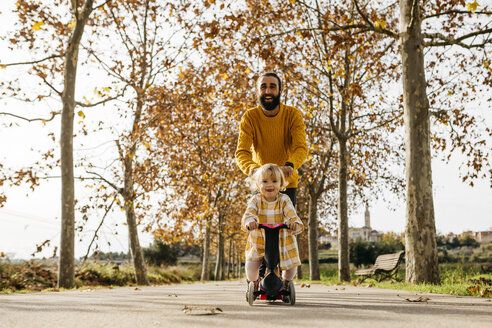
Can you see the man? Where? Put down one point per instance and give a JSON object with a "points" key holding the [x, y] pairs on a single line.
{"points": [[272, 133]]}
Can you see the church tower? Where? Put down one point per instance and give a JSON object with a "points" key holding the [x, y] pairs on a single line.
{"points": [[367, 217]]}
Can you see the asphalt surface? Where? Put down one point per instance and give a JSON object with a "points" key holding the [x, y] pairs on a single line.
{"points": [[317, 306]]}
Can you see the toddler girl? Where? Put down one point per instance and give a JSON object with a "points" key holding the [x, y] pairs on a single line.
{"points": [[271, 207]]}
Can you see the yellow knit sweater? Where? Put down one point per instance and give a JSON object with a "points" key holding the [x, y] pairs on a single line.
{"points": [[278, 139]]}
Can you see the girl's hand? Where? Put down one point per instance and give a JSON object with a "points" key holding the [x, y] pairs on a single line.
{"points": [[292, 225], [253, 225]]}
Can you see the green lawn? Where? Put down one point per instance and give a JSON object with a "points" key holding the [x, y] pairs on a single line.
{"points": [[456, 279]]}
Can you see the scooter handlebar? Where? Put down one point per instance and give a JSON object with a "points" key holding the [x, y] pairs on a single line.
{"points": [[271, 226]]}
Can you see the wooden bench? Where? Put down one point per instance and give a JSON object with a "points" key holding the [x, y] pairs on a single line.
{"points": [[386, 266]]}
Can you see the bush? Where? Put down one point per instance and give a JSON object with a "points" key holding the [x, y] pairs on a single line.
{"points": [[104, 274], [160, 254], [27, 275]]}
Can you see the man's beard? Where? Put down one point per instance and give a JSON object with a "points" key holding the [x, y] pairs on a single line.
{"points": [[269, 106]]}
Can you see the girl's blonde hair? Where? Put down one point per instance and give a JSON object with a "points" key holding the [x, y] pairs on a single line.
{"points": [[264, 172]]}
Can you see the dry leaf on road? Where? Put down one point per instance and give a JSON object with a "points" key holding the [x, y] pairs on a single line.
{"points": [[201, 309], [420, 299]]}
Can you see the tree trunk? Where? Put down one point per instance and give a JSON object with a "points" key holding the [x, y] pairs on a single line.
{"points": [[229, 258], [66, 276], [238, 261], [420, 232], [299, 268], [129, 196], [136, 250], [313, 239], [206, 253], [343, 248], [224, 262], [219, 263]]}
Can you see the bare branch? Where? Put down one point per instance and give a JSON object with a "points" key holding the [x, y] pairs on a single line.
{"points": [[376, 127], [453, 12], [53, 114], [31, 62], [43, 77], [100, 177], [97, 230], [371, 25], [101, 5], [100, 102], [447, 41]]}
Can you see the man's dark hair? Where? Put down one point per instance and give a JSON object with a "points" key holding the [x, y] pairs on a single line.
{"points": [[275, 76]]}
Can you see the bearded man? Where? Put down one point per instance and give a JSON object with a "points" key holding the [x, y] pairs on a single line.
{"points": [[272, 133]]}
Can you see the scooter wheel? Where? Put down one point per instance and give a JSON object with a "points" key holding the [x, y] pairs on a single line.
{"points": [[251, 293], [292, 293]]}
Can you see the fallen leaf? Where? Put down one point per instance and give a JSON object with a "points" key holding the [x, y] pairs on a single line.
{"points": [[173, 295], [474, 289], [342, 288], [136, 288], [420, 299], [199, 309], [87, 290]]}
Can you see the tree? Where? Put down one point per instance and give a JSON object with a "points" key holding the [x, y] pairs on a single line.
{"points": [[33, 16], [155, 39], [197, 146], [420, 235], [66, 266], [421, 247]]}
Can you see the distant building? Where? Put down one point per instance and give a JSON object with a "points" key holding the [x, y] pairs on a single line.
{"points": [[450, 236], [468, 233], [366, 233], [484, 237]]}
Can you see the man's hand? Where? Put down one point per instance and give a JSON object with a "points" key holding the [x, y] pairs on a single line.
{"points": [[253, 225], [287, 170]]}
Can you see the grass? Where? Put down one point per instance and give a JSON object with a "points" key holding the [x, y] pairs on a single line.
{"points": [[456, 279], [34, 276]]}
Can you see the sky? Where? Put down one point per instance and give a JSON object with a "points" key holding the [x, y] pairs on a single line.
{"points": [[29, 218]]}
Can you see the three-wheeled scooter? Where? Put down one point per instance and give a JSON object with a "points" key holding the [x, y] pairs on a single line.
{"points": [[271, 287]]}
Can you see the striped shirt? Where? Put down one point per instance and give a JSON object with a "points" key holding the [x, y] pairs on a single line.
{"points": [[278, 211]]}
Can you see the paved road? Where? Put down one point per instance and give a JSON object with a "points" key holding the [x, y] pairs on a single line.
{"points": [[318, 306]]}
